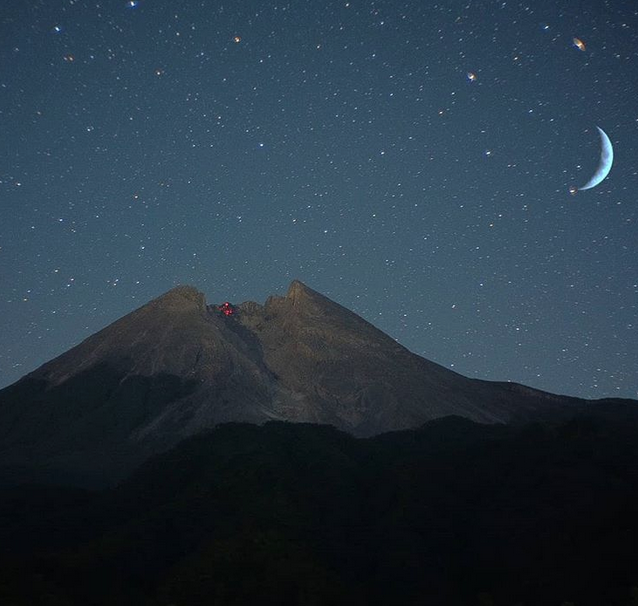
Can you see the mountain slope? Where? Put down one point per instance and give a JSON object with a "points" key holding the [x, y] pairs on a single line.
{"points": [[176, 366]]}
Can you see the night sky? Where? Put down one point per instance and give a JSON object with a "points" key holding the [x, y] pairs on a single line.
{"points": [[411, 160]]}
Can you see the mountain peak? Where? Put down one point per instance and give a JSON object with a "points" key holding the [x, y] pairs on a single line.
{"points": [[296, 285], [298, 291], [182, 296]]}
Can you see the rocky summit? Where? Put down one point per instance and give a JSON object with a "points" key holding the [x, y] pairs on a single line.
{"points": [[177, 366]]}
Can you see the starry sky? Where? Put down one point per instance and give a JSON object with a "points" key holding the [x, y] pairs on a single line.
{"points": [[411, 160]]}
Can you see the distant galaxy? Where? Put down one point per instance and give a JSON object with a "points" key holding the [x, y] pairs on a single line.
{"points": [[579, 44]]}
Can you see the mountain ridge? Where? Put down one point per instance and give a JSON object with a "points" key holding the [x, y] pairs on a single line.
{"points": [[177, 365]]}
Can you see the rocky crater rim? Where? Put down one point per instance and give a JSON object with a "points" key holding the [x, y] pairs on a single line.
{"points": [[296, 293]]}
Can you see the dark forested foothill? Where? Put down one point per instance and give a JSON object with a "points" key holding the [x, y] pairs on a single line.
{"points": [[294, 514]]}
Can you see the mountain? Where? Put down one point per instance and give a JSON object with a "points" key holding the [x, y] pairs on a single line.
{"points": [[177, 366]]}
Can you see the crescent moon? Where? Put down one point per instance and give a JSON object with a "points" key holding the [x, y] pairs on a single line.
{"points": [[606, 160]]}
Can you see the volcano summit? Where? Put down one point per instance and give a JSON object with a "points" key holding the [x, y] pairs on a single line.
{"points": [[177, 366]]}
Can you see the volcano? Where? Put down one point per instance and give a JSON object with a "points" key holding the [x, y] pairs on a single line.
{"points": [[177, 366]]}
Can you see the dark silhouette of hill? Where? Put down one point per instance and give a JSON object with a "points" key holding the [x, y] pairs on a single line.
{"points": [[453, 513], [178, 366]]}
